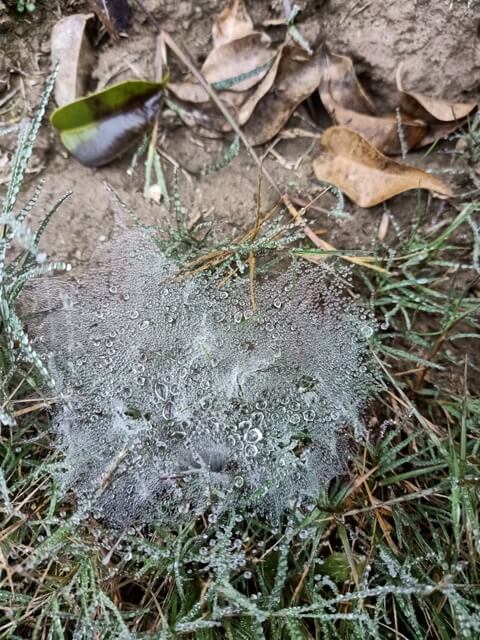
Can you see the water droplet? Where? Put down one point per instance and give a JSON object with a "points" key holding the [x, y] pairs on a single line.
{"points": [[367, 331], [258, 418], [251, 450], [253, 435], [161, 391], [168, 410]]}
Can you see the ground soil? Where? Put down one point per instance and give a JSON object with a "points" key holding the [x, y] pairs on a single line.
{"points": [[437, 40]]}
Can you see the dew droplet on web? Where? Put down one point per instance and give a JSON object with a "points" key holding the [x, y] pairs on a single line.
{"points": [[161, 391], [253, 435]]}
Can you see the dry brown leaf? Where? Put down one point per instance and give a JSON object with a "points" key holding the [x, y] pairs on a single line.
{"points": [[71, 48], [237, 58], [248, 56], [381, 131], [232, 23], [431, 109], [368, 177], [339, 84], [297, 78]]}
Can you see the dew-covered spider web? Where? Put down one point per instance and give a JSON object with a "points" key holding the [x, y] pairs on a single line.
{"points": [[177, 398]]}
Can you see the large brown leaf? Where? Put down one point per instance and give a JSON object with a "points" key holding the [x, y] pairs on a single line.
{"points": [[368, 177], [297, 78], [431, 109], [231, 23]]}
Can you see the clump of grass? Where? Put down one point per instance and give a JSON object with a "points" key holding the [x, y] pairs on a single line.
{"points": [[17, 353], [389, 551]]}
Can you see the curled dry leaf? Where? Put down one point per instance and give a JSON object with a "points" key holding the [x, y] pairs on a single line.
{"points": [[71, 49], [232, 23], [349, 105], [368, 177], [339, 85], [431, 109], [297, 77]]}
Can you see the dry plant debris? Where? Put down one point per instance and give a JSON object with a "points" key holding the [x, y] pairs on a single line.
{"points": [[262, 86]]}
